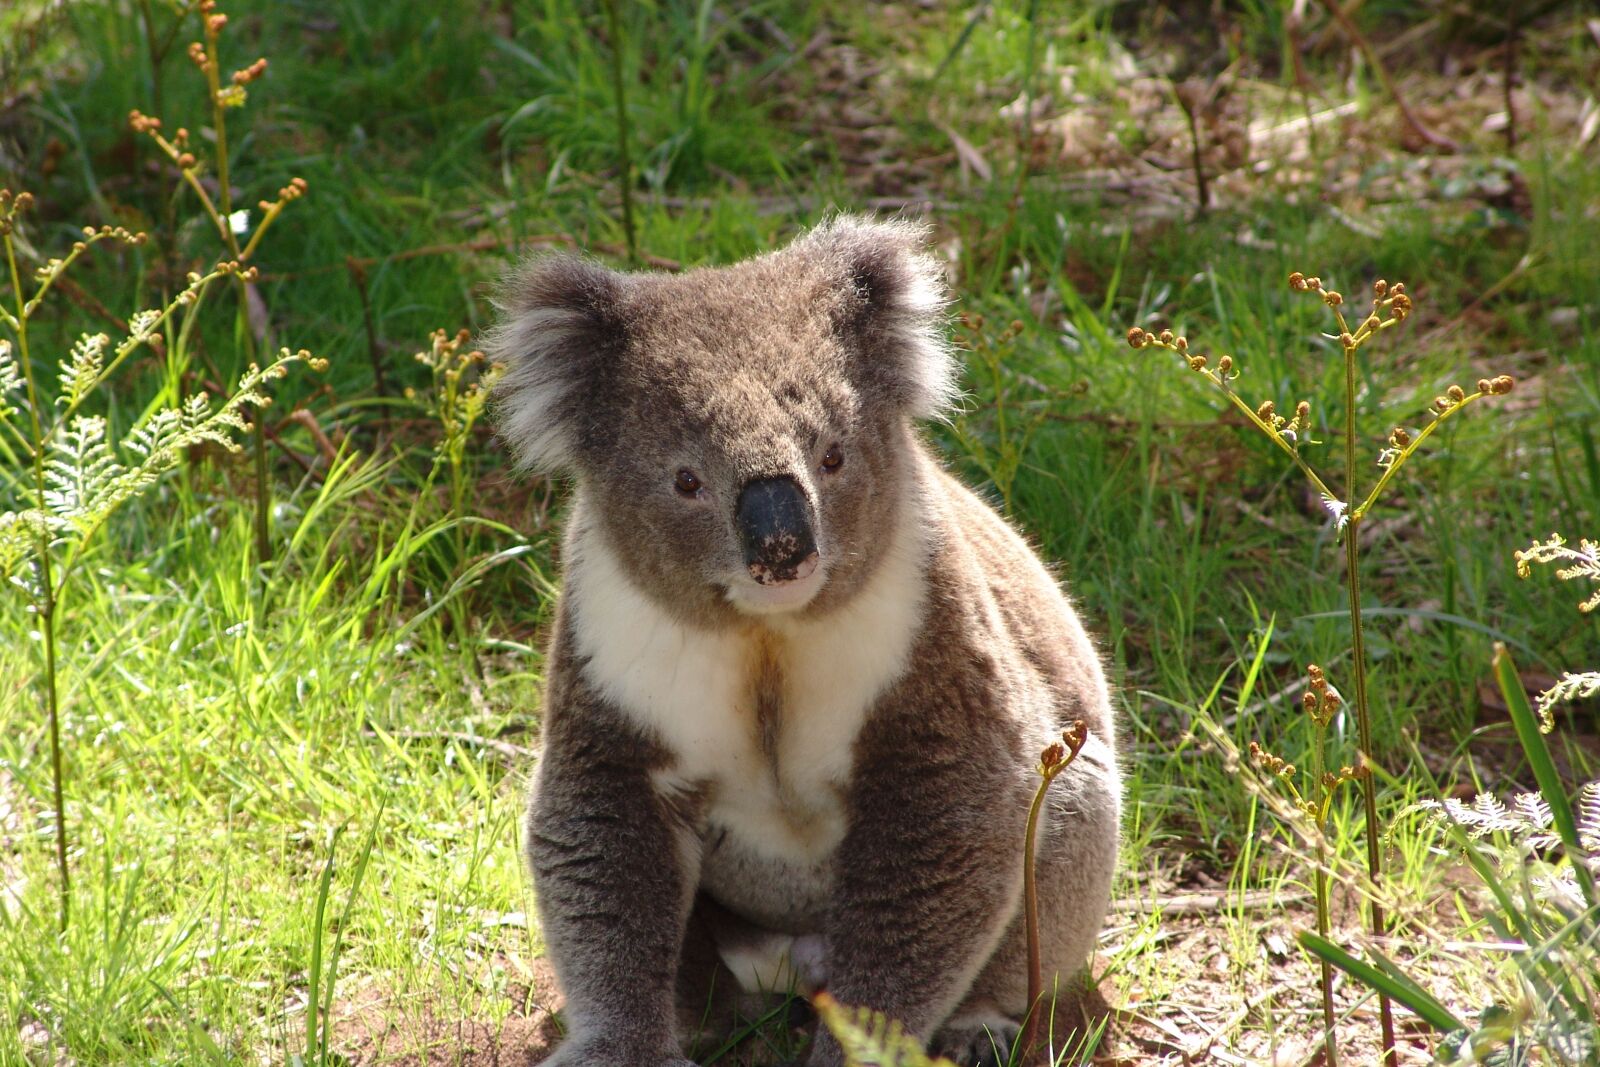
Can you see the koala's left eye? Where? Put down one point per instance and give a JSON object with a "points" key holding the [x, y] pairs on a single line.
{"points": [[833, 459], [687, 482]]}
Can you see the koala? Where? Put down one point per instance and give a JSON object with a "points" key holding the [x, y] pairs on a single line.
{"points": [[799, 675]]}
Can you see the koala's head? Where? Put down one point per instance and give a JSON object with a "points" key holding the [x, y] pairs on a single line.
{"points": [[741, 435]]}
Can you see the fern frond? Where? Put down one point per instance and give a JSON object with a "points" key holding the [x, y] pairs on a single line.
{"points": [[870, 1038], [19, 535], [140, 327], [1582, 562], [82, 371], [85, 481], [1588, 812], [79, 470], [1570, 686], [1526, 824], [10, 374], [161, 440], [11, 380]]}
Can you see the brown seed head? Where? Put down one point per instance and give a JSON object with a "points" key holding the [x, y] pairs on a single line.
{"points": [[250, 73], [1196, 362], [1181, 344], [1399, 438], [1297, 281], [1400, 305], [1332, 298], [1485, 386], [1456, 393], [1166, 337], [197, 53], [1502, 385], [1379, 289], [1225, 364], [1302, 411], [1075, 736], [1137, 337], [1266, 411]]}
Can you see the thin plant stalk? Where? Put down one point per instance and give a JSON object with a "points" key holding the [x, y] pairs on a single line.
{"points": [[258, 434], [624, 156], [1052, 762], [1358, 657], [45, 601], [1319, 765]]}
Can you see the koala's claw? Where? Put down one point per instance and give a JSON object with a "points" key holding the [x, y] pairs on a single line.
{"points": [[985, 1043]]}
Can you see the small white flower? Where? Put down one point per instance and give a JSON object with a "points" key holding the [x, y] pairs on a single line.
{"points": [[1337, 509], [239, 222]]}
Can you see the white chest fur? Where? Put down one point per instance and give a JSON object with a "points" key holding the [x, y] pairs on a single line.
{"points": [[773, 781]]}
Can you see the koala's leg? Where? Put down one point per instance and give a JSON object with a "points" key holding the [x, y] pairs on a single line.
{"points": [[1077, 854], [928, 877], [614, 867]]}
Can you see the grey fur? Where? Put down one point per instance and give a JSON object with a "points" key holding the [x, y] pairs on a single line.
{"points": [[898, 878]]}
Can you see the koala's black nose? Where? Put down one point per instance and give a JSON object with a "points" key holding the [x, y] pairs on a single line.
{"points": [[771, 516]]}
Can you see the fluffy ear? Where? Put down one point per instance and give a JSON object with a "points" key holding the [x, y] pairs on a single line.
{"points": [[893, 307], [560, 320]]}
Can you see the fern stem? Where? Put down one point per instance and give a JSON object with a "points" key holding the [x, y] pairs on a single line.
{"points": [[1358, 656], [1030, 911], [1319, 765], [47, 618], [1052, 762], [46, 602], [258, 433]]}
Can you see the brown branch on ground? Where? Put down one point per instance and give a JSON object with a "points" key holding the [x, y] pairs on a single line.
{"points": [[1193, 96], [1359, 39]]}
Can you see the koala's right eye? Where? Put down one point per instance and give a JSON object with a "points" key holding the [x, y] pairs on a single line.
{"points": [[687, 483]]}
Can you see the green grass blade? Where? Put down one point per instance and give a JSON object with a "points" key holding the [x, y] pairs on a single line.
{"points": [[1394, 986], [1544, 768], [344, 925], [313, 1003]]}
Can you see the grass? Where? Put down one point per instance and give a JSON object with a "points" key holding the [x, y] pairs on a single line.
{"points": [[223, 724]]}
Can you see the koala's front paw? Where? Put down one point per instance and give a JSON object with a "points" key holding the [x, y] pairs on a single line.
{"points": [[977, 1042], [601, 1052]]}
